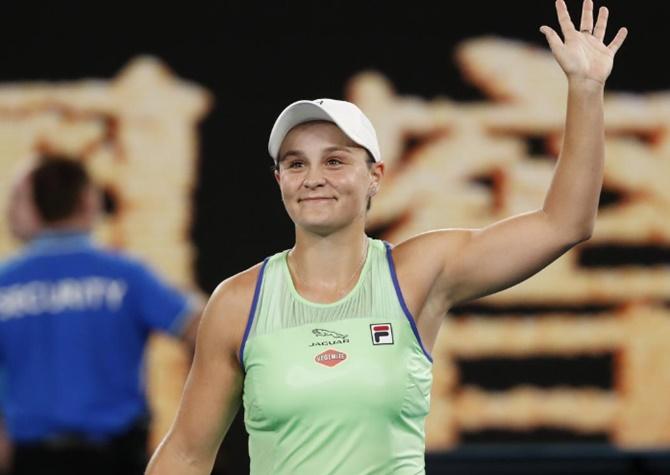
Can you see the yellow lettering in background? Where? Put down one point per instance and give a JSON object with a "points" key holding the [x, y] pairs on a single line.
{"points": [[470, 164]]}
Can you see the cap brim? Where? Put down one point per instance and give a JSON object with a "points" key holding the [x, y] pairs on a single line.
{"points": [[296, 114]]}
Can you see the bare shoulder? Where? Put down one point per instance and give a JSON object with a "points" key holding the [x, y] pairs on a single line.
{"points": [[225, 317]]}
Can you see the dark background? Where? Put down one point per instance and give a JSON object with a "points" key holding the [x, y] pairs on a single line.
{"points": [[256, 58]]}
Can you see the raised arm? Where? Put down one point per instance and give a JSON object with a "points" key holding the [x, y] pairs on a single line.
{"points": [[212, 393], [474, 263], [572, 199]]}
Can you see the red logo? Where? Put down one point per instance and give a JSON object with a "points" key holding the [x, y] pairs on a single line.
{"points": [[330, 358]]}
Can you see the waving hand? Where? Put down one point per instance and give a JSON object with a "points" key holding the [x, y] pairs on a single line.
{"points": [[582, 53]]}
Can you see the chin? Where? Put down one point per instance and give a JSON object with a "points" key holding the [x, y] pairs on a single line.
{"points": [[318, 223], [320, 228], [321, 222], [324, 227]]}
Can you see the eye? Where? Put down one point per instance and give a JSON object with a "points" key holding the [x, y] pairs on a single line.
{"points": [[334, 161], [295, 164]]}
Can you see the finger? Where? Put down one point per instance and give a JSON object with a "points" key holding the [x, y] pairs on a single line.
{"points": [[564, 17], [601, 24], [552, 38], [587, 16], [618, 40]]}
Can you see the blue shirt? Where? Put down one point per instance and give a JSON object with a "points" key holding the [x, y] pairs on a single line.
{"points": [[74, 320]]}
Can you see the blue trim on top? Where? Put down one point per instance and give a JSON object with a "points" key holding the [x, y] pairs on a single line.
{"points": [[252, 312], [401, 299]]}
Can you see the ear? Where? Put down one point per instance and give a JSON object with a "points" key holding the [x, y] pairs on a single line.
{"points": [[92, 202], [277, 177], [376, 175], [22, 217]]}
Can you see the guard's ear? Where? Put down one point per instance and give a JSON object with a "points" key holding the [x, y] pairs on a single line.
{"points": [[92, 202]]}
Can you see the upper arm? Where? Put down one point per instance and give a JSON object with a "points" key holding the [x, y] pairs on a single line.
{"points": [[213, 389], [503, 254], [463, 264]]}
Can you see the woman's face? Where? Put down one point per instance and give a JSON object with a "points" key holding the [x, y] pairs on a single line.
{"points": [[324, 177]]}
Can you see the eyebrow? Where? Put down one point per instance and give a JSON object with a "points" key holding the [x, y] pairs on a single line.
{"points": [[300, 154], [289, 153], [339, 148]]}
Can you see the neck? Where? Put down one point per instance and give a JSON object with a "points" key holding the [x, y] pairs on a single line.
{"points": [[327, 267], [68, 225], [63, 231]]}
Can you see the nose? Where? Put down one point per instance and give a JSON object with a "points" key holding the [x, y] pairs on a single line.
{"points": [[314, 178]]}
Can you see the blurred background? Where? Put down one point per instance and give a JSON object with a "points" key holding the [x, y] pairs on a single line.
{"points": [[171, 109]]}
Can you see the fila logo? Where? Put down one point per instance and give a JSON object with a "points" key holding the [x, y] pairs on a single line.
{"points": [[382, 333], [330, 358]]}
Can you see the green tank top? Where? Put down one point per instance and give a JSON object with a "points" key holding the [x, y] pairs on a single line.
{"points": [[338, 388]]}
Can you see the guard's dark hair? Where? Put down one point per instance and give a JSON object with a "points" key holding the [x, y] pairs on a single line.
{"points": [[58, 185]]}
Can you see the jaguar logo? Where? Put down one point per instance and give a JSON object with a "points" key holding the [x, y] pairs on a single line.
{"points": [[329, 333], [333, 338]]}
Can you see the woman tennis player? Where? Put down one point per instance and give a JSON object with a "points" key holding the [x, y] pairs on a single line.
{"points": [[328, 344]]}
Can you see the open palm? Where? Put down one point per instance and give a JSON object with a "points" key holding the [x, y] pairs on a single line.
{"points": [[582, 53]]}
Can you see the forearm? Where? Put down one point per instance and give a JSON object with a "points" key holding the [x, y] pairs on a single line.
{"points": [[169, 459], [571, 203]]}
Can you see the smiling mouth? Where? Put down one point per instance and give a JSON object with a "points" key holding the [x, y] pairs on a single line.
{"points": [[317, 199]]}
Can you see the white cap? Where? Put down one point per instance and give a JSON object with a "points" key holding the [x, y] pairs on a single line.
{"points": [[347, 116]]}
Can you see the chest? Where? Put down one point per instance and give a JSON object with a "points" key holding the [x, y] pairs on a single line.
{"points": [[361, 366]]}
